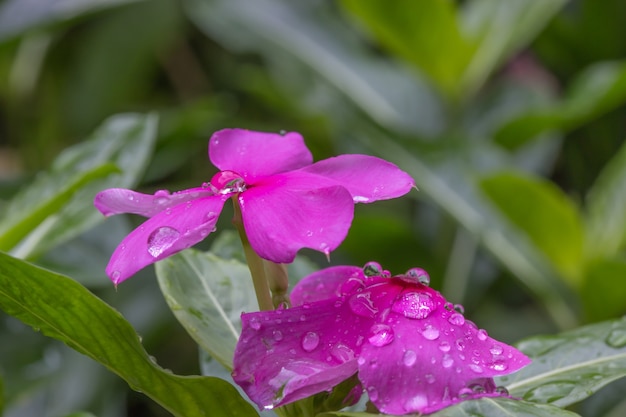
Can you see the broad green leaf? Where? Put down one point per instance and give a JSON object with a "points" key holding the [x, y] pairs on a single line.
{"points": [[208, 294], [570, 366], [127, 140], [606, 208], [546, 215], [64, 310], [424, 33], [29, 209], [80, 414], [487, 407], [497, 30], [604, 289], [596, 90]]}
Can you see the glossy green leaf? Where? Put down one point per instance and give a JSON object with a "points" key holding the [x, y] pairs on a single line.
{"points": [[606, 208], [208, 294], [424, 33], [570, 366], [126, 140], [484, 407], [596, 90], [541, 211], [63, 309], [604, 289]]}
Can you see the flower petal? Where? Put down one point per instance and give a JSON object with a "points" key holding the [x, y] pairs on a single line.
{"points": [[258, 154], [120, 200], [287, 212], [286, 355], [165, 234], [432, 360], [366, 177], [324, 284]]}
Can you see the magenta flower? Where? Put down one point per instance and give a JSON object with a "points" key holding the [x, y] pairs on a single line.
{"points": [[287, 201], [413, 352]]}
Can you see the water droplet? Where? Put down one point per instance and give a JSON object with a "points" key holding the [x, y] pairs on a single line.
{"points": [[278, 335], [616, 338], [382, 335], [161, 239], [342, 353], [414, 305], [482, 334], [465, 393], [496, 350], [418, 275], [362, 305], [477, 388], [310, 341], [373, 269], [460, 344], [501, 390], [227, 182], [373, 393], [447, 361], [444, 346], [430, 333], [498, 366], [457, 319], [415, 403], [476, 368], [430, 378], [255, 323], [409, 358], [360, 199], [282, 132], [459, 308]]}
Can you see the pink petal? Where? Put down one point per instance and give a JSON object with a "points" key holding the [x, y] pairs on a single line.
{"points": [[430, 355], [165, 234], [366, 177], [258, 154], [324, 284], [287, 212], [286, 355], [120, 200]]}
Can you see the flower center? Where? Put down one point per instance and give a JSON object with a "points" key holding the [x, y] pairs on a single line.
{"points": [[227, 182]]}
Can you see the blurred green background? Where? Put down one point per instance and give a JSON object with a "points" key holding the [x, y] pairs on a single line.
{"points": [[510, 116]]}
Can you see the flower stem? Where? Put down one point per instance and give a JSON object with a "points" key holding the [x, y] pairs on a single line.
{"points": [[255, 263], [278, 279]]}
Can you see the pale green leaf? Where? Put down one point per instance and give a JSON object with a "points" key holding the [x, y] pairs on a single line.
{"points": [[208, 294], [484, 407], [544, 214], [604, 289], [571, 366], [63, 309]]}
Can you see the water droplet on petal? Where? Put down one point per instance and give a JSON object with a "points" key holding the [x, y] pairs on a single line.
{"points": [[418, 275], [444, 346], [430, 378], [616, 338], [382, 335], [502, 390], [278, 335], [409, 358], [414, 305], [342, 353], [460, 344], [255, 323], [362, 305], [415, 403], [116, 275], [498, 366], [457, 319], [496, 350], [465, 392], [310, 341], [161, 239], [373, 393], [476, 368], [227, 182], [373, 269], [360, 199], [430, 333], [447, 361], [459, 308], [482, 334]]}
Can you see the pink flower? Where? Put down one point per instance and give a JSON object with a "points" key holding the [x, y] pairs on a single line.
{"points": [[287, 201], [413, 352]]}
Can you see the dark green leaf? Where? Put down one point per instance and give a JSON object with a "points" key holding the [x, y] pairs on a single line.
{"points": [[597, 90], [606, 208], [570, 366], [64, 310], [208, 294], [604, 289], [485, 407], [546, 215]]}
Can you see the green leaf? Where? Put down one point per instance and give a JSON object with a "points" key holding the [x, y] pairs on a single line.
{"points": [[606, 208], [30, 209], [1, 396], [570, 366], [60, 210], [546, 215], [604, 289], [208, 294], [598, 89], [424, 33], [80, 414], [64, 310], [491, 407]]}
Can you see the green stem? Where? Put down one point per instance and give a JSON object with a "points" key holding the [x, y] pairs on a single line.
{"points": [[278, 279], [255, 263]]}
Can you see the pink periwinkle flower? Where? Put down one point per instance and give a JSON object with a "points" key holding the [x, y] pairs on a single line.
{"points": [[413, 351], [287, 201]]}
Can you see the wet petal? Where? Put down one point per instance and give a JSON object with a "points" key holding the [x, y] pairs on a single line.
{"points": [[164, 234], [258, 154], [432, 361], [286, 355], [120, 200], [284, 213], [325, 284], [366, 177]]}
